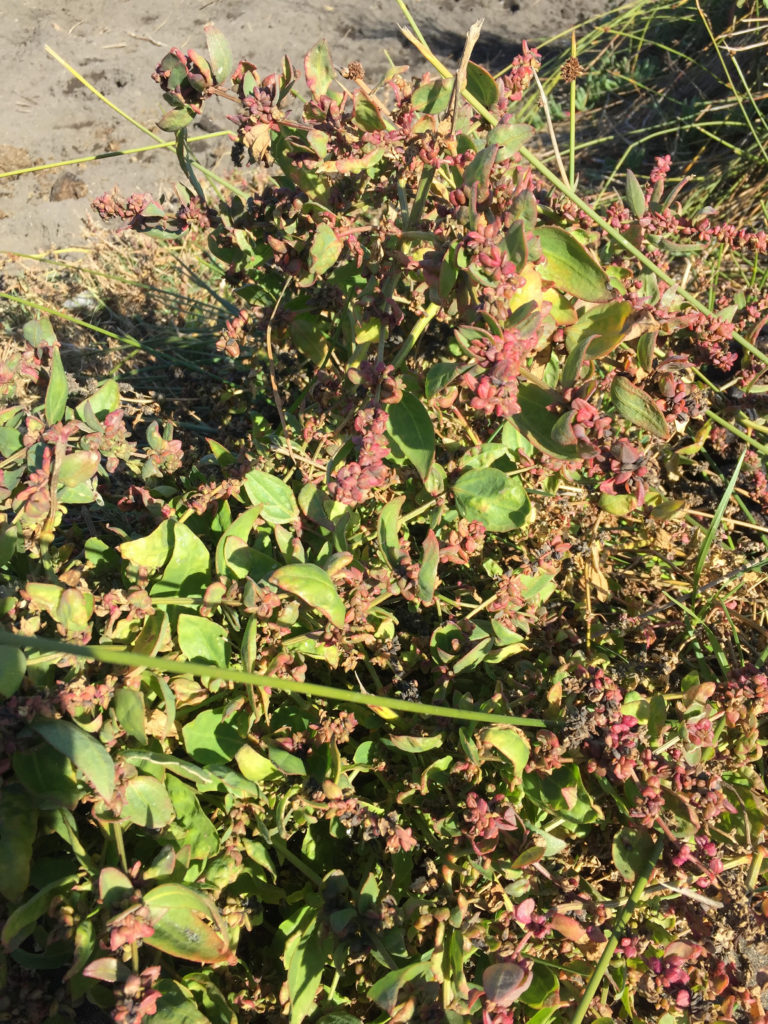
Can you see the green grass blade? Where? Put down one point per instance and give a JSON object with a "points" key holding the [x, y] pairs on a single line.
{"points": [[115, 656], [714, 526]]}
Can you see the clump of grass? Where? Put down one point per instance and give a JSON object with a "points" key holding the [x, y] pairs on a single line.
{"points": [[684, 77]]}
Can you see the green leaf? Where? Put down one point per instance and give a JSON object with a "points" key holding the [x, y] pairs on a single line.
{"points": [[254, 766], [77, 467], [574, 363], [178, 915], [202, 640], [84, 751], [448, 276], [129, 708], [604, 326], [272, 496], [13, 666], [39, 332], [305, 956], [314, 586], [510, 742], [18, 828], [413, 744], [492, 498], [544, 985], [384, 992], [536, 421], [219, 52], [339, 1018], [635, 195], [152, 551], [48, 777], [510, 137], [440, 376], [516, 244], [479, 171], [95, 407], [209, 739], [638, 408], [388, 531], [56, 393], [482, 85], [74, 610], [21, 920], [325, 250], [631, 851], [187, 572], [367, 115], [568, 265], [176, 120], [146, 803], [176, 1005], [240, 528], [411, 433], [430, 560], [114, 886], [434, 97], [318, 69], [618, 504], [192, 826], [287, 763]]}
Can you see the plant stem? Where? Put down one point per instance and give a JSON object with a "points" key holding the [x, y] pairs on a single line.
{"points": [[621, 920], [115, 656], [572, 122], [415, 333]]}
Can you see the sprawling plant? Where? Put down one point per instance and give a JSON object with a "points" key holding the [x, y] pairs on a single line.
{"points": [[382, 712]]}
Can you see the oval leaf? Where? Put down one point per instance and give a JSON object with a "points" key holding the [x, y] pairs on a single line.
{"points": [[631, 851], [219, 52], [318, 68], [537, 421], [604, 326], [314, 586], [482, 85], [570, 267], [325, 250], [180, 928], [430, 559], [492, 498], [84, 751], [146, 803], [638, 408], [411, 433], [202, 640], [510, 742], [272, 495], [56, 393], [504, 983], [13, 665]]}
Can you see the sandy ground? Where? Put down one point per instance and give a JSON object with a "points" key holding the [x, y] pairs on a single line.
{"points": [[50, 116]]}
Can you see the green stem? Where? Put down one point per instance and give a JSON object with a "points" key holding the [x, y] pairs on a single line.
{"points": [[415, 333], [754, 869], [763, 449], [106, 156], [115, 656], [613, 941], [572, 122], [282, 848]]}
